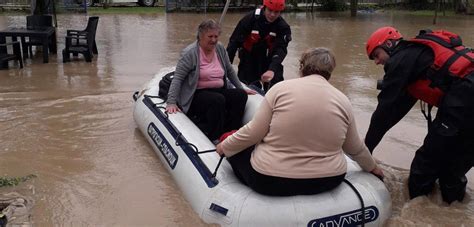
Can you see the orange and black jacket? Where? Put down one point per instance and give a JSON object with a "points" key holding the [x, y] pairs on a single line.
{"points": [[408, 63], [272, 48]]}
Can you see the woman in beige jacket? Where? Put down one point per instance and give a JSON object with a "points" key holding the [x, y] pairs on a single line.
{"points": [[301, 132]]}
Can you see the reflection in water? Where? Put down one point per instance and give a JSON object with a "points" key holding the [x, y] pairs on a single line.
{"points": [[71, 124]]}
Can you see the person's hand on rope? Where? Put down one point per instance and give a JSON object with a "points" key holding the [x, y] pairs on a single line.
{"points": [[250, 92], [219, 150], [172, 108], [377, 171], [267, 76]]}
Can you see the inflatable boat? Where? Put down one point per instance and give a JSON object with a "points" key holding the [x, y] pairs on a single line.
{"points": [[218, 197]]}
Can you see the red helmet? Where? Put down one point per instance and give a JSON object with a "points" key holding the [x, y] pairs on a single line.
{"points": [[274, 5], [380, 37]]}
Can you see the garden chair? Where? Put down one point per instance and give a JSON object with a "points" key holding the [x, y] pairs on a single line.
{"points": [[5, 57], [82, 41], [35, 22]]}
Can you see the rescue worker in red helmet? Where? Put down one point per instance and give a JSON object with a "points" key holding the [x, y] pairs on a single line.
{"points": [[261, 39], [448, 148]]}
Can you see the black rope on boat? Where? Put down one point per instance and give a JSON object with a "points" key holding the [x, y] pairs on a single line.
{"points": [[199, 152], [360, 199], [153, 96], [206, 151], [217, 167], [157, 97], [163, 108], [184, 143], [135, 96], [192, 145]]}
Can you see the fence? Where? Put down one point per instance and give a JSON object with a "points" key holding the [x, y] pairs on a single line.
{"points": [[15, 4], [65, 5], [25, 5], [212, 5]]}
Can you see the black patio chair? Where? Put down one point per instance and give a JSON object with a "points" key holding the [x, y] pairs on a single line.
{"points": [[5, 57], [35, 22], [82, 41]]}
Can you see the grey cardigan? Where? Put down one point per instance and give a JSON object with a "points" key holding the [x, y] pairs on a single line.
{"points": [[187, 74]]}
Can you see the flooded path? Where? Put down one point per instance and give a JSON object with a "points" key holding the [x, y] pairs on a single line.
{"points": [[71, 124]]}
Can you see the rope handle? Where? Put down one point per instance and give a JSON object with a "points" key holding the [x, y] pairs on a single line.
{"points": [[360, 199], [196, 150]]}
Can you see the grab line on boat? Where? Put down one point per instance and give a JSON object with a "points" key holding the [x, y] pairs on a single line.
{"points": [[360, 199], [190, 151], [185, 142], [199, 152]]}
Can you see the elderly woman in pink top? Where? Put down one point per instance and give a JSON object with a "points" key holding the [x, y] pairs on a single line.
{"points": [[301, 130], [199, 87]]}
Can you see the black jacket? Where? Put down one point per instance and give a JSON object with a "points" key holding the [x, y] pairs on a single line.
{"points": [[407, 63], [258, 22]]}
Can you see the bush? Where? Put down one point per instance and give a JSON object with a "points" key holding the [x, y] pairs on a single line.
{"points": [[14, 181], [368, 7], [333, 5]]}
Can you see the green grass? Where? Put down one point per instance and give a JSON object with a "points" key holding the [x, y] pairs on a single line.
{"points": [[448, 12], [14, 181], [125, 10]]}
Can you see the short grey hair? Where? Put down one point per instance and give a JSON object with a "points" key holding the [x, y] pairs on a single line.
{"points": [[318, 60], [206, 25]]}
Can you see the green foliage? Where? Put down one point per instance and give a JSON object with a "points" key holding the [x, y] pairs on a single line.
{"points": [[125, 10], [294, 3], [333, 5], [430, 13], [419, 4], [14, 181], [368, 6]]}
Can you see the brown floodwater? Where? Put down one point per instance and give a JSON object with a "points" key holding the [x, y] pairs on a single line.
{"points": [[71, 124]]}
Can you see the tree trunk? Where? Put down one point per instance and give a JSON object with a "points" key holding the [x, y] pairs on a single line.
{"points": [[443, 5], [437, 3], [105, 4], [468, 6], [460, 6], [42, 7], [354, 8], [38, 7]]}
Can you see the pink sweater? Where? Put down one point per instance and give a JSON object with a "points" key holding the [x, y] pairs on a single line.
{"points": [[302, 129], [211, 72]]}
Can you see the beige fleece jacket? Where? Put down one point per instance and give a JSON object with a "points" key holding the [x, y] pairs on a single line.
{"points": [[301, 130]]}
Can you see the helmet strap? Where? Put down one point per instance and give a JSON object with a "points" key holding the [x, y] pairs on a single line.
{"points": [[389, 45]]}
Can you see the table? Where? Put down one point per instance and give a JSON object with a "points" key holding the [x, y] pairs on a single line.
{"points": [[47, 35]]}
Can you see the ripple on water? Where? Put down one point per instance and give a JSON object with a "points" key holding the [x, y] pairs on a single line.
{"points": [[424, 210]]}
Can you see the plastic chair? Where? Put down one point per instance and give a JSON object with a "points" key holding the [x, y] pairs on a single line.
{"points": [[82, 41], [35, 22], [5, 57]]}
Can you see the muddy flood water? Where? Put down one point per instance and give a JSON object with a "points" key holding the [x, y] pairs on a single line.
{"points": [[71, 124]]}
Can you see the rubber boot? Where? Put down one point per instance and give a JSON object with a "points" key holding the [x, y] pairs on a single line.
{"points": [[452, 191], [419, 186], [3, 221]]}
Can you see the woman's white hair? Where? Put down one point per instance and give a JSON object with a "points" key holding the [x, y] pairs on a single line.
{"points": [[319, 60], [206, 25]]}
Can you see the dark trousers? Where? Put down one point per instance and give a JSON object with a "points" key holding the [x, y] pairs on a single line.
{"points": [[278, 186], [218, 110], [447, 153], [252, 67]]}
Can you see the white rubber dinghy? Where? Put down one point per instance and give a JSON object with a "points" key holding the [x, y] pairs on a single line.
{"points": [[223, 200]]}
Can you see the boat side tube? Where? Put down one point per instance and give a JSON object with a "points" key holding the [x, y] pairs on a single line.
{"points": [[190, 150]]}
